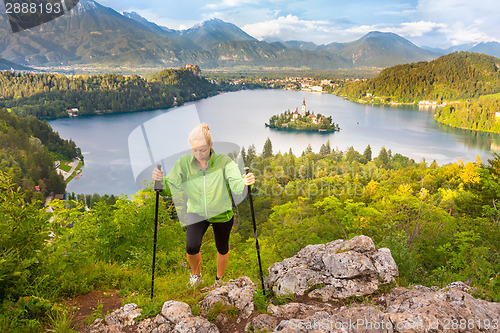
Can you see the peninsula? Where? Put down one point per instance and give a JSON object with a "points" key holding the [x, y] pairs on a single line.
{"points": [[302, 121]]}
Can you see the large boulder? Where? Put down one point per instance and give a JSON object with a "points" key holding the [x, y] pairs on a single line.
{"points": [[339, 269], [237, 293]]}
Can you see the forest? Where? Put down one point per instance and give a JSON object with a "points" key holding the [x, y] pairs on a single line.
{"points": [[467, 83], [28, 149], [456, 76], [441, 223], [50, 95], [477, 114]]}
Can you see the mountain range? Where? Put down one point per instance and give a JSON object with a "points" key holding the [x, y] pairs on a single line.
{"points": [[98, 36]]}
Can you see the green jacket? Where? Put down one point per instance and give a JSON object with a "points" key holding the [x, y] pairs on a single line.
{"points": [[206, 191]]}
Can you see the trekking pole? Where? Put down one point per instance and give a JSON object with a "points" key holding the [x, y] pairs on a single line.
{"points": [[158, 187], [255, 233]]}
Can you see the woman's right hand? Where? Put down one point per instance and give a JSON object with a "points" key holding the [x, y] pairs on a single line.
{"points": [[157, 175]]}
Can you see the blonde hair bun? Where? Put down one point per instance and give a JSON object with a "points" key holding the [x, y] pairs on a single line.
{"points": [[201, 132]]}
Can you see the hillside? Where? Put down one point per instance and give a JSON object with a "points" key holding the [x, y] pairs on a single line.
{"points": [[455, 76], [464, 86], [380, 49], [50, 95], [28, 150], [6, 65]]}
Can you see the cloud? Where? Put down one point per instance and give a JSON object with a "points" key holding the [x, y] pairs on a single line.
{"points": [[467, 21], [287, 27], [227, 4], [420, 28]]}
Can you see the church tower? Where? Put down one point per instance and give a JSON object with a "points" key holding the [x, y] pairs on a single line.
{"points": [[303, 113]]}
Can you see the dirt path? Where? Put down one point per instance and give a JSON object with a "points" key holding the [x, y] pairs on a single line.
{"points": [[86, 304]]}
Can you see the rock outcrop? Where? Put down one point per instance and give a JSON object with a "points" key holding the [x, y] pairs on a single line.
{"points": [[336, 270], [325, 277], [402, 310]]}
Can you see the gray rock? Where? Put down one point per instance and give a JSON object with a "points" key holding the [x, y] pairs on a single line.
{"points": [[347, 265], [339, 289], [174, 311], [385, 265], [437, 311], [460, 286], [342, 268], [195, 325], [410, 311], [238, 293], [261, 323], [298, 281], [116, 320], [359, 244], [146, 326], [295, 310], [159, 319], [164, 328]]}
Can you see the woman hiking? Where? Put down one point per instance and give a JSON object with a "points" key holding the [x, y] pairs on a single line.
{"points": [[204, 175]]}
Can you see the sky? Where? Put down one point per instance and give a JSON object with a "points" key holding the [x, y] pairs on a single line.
{"points": [[433, 23]]}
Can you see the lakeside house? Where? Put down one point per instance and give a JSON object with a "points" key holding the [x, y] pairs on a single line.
{"points": [[73, 112]]}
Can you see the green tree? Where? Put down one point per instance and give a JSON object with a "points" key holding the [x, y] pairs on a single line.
{"points": [[383, 158], [24, 232], [325, 149], [268, 149], [367, 154]]}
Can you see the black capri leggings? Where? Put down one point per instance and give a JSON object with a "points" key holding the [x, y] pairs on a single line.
{"points": [[195, 232]]}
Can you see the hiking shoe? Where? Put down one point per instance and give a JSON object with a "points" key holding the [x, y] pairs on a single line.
{"points": [[194, 280], [218, 281]]}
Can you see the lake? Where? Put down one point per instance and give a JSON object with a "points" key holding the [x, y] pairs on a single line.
{"points": [[239, 118]]}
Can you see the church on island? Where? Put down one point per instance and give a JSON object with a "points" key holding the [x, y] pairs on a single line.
{"points": [[303, 120]]}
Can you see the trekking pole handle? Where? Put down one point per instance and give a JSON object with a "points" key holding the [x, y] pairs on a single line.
{"points": [[158, 183], [247, 170]]}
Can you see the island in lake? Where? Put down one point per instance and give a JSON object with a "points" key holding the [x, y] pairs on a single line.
{"points": [[302, 121]]}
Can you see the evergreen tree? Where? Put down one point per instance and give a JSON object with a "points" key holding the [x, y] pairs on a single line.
{"points": [[243, 155], [268, 149], [308, 150], [367, 154], [325, 149], [251, 154], [383, 157]]}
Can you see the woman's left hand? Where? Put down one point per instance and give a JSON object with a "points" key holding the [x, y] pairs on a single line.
{"points": [[249, 179]]}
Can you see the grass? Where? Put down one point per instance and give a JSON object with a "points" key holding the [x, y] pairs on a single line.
{"points": [[262, 301], [491, 96], [65, 167], [218, 308], [75, 172], [60, 321]]}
